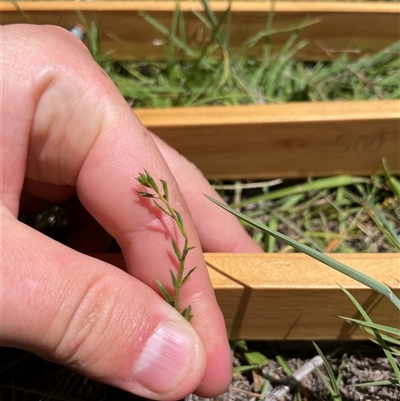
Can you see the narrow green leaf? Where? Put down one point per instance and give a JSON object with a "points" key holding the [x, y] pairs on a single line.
{"points": [[215, 23], [256, 358], [388, 339], [176, 250], [247, 368], [269, 240], [165, 293], [326, 382], [315, 185], [151, 181], [377, 383], [179, 217], [387, 329], [186, 313], [377, 335], [392, 181], [165, 189], [182, 28], [285, 366], [341, 370], [174, 25], [145, 194], [267, 32], [179, 222], [332, 385], [173, 278], [188, 275], [23, 13]]}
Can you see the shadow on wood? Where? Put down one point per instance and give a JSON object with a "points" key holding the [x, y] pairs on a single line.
{"points": [[294, 297]]}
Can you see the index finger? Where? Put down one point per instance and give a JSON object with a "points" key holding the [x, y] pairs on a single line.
{"points": [[83, 133]]}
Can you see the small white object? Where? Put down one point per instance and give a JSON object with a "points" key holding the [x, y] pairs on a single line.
{"points": [[78, 31], [157, 42]]}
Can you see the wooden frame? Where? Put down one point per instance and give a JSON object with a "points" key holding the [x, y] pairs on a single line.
{"points": [[334, 27], [294, 297], [271, 296], [288, 140]]}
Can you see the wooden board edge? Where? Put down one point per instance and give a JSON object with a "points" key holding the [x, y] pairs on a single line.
{"points": [[293, 297], [219, 6], [288, 141], [292, 112], [329, 28]]}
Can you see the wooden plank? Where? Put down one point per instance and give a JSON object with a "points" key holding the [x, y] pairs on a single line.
{"points": [[293, 297], [337, 27], [286, 140]]}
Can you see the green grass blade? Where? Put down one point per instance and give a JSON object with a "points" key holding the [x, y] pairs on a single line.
{"points": [[174, 30], [166, 32], [22, 12], [393, 182], [377, 335], [247, 368], [342, 268], [299, 231], [387, 329], [283, 363], [316, 185], [332, 384], [222, 39], [271, 241], [377, 383], [388, 339]]}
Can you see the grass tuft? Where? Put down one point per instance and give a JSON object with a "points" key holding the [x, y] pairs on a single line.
{"points": [[209, 72]]}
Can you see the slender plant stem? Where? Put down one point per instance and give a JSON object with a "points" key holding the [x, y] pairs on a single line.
{"points": [[181, 253]]}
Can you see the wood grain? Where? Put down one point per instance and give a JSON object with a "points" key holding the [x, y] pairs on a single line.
{"points": [[293, 297], [337, 27], [288, 140]]}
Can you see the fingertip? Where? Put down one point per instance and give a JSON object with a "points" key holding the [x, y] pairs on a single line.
{"points": [[218, 376], [172, 362]]}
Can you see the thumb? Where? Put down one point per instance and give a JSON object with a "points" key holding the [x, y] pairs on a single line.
{"points": [[94, 318]]}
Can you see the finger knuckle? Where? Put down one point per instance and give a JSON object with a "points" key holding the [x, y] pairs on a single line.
{"points": [[97, 321]]}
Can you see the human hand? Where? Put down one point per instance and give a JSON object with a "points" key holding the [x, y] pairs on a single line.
{"points": [[66, 131]]}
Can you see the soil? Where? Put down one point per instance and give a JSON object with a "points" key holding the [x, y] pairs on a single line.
{"points": [[358, 362], [30, 378]]}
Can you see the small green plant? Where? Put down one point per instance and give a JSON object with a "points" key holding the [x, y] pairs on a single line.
{"points": [[161, 200]]}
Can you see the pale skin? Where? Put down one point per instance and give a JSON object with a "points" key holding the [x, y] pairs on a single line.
{"points": [[68, 135]]}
